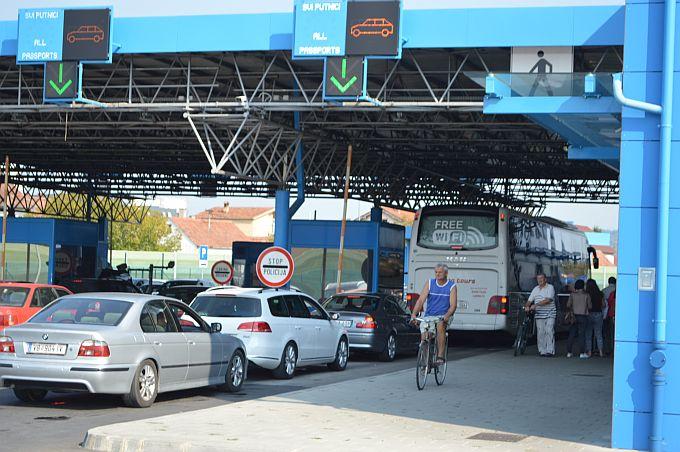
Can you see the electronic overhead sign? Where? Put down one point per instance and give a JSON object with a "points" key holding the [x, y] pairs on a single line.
{"points": [[346, 28], [344, 77], [319, 28], [57, 34], [61, 81], [372, 29]]}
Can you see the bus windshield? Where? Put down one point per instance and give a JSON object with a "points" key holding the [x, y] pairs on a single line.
{"points": [[458, 231]]}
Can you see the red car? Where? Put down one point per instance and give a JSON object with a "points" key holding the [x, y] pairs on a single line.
{"points": [[19, 301]]}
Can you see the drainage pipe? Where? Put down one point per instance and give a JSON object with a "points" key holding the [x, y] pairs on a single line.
{"points": [[636, 104], [658, 356]]}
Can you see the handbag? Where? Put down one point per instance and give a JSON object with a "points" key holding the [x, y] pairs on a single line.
{"points": [[569, 318]]}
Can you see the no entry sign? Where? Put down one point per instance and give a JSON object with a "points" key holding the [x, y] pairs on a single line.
{"points": [[222, 272], [275, 267]]}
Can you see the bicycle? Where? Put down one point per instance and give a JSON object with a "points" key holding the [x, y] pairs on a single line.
{"points": [[427, 353], [524, 332]]}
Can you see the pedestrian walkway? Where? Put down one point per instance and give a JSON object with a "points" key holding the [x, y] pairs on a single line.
{"points": [[488, 402]]}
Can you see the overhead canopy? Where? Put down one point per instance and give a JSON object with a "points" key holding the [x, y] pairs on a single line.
{"points": [[223, 124]]}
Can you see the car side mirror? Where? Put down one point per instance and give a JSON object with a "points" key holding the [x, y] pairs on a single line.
{"points": [[596, 263], [335, 316], [215, 327]]}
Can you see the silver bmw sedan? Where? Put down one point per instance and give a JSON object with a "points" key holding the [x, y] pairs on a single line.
{"points": [[118, 343]]}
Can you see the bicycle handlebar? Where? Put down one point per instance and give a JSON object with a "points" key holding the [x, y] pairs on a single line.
{"points": [[431, 318]]}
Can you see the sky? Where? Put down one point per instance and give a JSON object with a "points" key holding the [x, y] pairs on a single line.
{"points": [[605, 216]]}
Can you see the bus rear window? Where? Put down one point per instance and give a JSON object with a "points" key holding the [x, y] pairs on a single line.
{"points": [[458, 231]]}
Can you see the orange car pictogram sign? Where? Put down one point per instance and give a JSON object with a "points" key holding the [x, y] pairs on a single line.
{"points": [[373, 26], [86, 33]]}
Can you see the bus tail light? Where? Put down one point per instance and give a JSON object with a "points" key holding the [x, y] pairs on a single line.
{"points": [[497, 305]]}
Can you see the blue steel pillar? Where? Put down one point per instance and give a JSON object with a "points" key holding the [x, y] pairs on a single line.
{"points": [[376, 217], [281, 218], [376, 214], [647, 353]]}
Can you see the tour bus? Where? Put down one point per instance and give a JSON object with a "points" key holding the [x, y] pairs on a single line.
{"points": [[493, 255]]}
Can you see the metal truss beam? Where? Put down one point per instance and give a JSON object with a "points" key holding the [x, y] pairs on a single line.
{"points": [[221, 124]]}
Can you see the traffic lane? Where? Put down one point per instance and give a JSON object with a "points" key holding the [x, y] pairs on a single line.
{"points": [[60, 422]]}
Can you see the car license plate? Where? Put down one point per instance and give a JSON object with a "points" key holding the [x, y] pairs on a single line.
{"points": [[47, 349], [346, 323]]}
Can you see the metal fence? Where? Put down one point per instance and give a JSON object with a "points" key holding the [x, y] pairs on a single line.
{"points": [[186, 264]]}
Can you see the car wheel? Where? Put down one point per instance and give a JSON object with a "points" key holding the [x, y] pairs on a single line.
{"points": [[144, 386], [390, 351], [385, 32], [341, 356], [71, 39], [30, 395], [286, 368], [236, 372], [356, 33]]}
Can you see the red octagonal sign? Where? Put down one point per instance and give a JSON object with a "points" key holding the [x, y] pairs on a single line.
{"points": [[275, 267]]}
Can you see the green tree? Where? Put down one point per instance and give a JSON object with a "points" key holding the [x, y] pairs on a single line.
{"points": [[152, 234]]}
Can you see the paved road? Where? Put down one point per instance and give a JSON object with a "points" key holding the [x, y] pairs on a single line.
{"points": [[60, 422]]}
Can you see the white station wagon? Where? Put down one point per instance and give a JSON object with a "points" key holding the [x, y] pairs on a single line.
{"points": [[281, 329]]}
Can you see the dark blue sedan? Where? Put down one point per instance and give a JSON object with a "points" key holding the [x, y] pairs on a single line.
{"points": [[375, 323]]}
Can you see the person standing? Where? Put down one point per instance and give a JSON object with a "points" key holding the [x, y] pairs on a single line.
{"points": [[605, 293], [609, 322], [594, 318], [610, 288], [542, 302], [579, 303]]}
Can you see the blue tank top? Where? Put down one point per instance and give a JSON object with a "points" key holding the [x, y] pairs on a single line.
{"points": [[439, 298]]}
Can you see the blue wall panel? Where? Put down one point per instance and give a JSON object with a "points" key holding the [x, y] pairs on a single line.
{"points": [[639, 164], [30, 230], [634, 311], [76, 233], [632, 374], [644, 19], [673, 311], [674, 244], [675, 181], [326, 234], [637, 239], [631, 391]]}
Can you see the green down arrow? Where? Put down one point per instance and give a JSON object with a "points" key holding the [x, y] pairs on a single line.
{"points": [[342, 88], [65, 86]]}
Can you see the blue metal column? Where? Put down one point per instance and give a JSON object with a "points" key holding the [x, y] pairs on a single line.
{"points": [[281, 218], [376, 214], [299, 172], [376, 217], [646, 387]]}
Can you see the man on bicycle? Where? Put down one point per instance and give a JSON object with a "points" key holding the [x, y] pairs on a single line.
{"points": [[441, 295]]}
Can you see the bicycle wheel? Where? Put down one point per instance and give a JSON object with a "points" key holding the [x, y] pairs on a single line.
{"points": [[525, 339], [519, 339], [422, 365], [440, 370]]}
